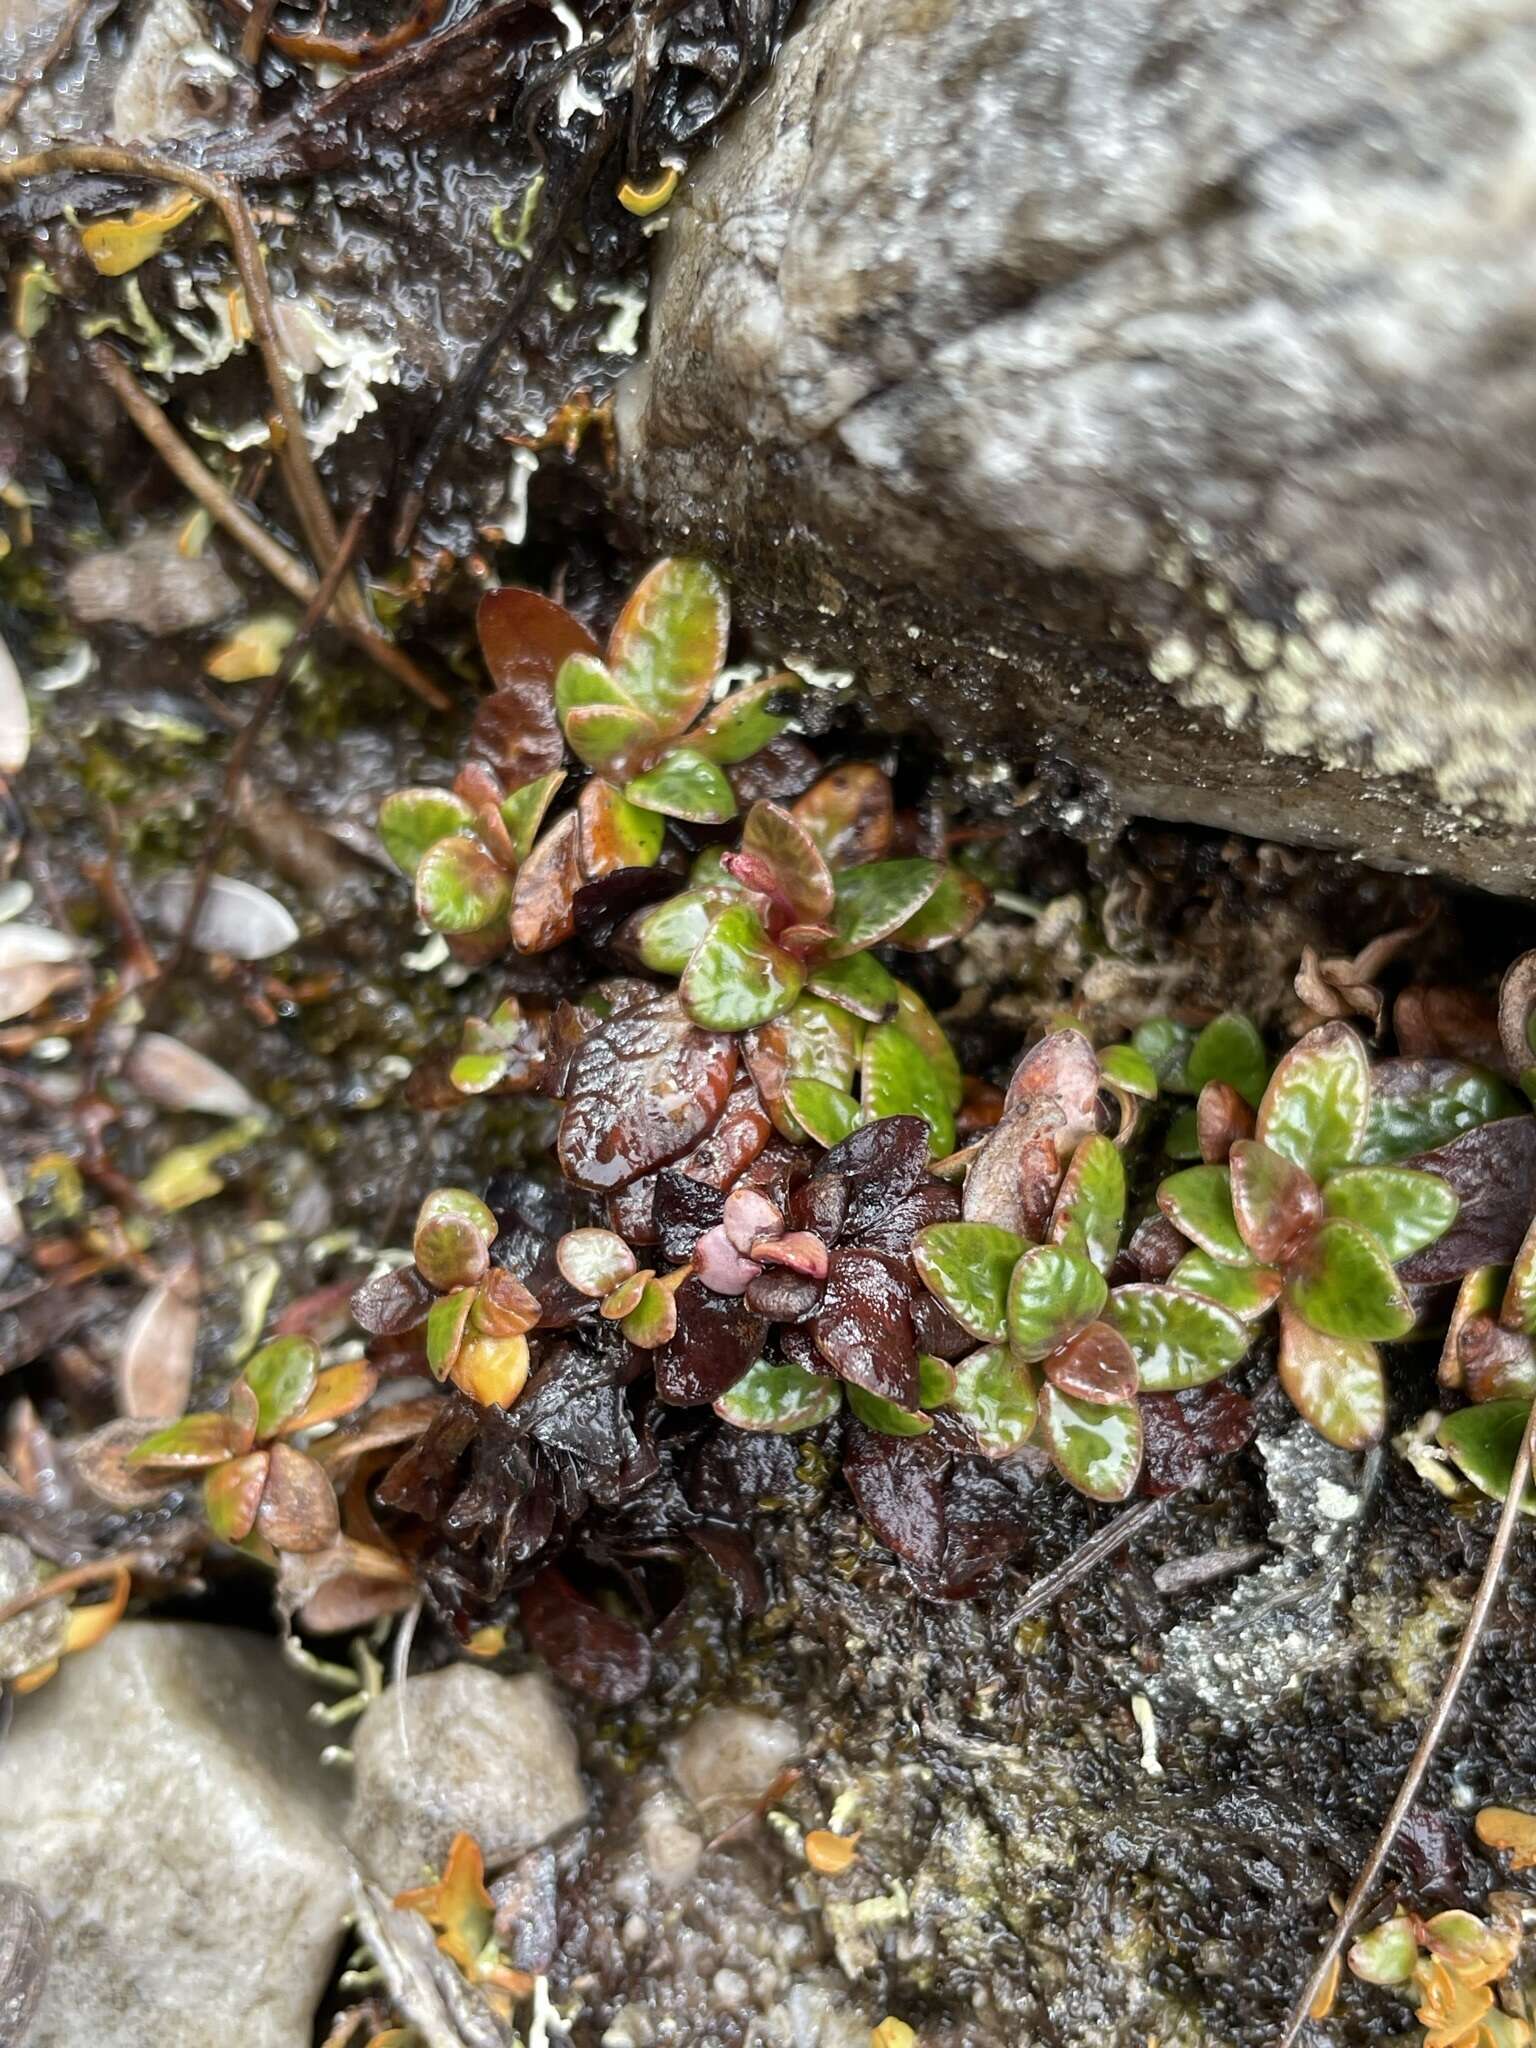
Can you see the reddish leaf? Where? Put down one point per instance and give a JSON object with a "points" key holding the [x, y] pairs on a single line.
{"points": [[1181, 1433], [736, 1140], [1277, 1206], [1064, 1068], [783, 1297], [643, 1089], [864, 1327], [588, 1649], [1155, 1248], [298, 1505], [544, 894], [1096, 1365], [1015, 1176], [849, 814], [392, 1302], [525, 637], [1496, 1364], [899, 1485], [1222, 1117], [879, 1164], [1493, 1169], [716, 1340], [1431, 1022]]}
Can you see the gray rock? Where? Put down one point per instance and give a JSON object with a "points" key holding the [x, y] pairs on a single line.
{"points": [[37, 1636], [164, 1800], [729, 1757], [460, 1749], [1147, 389]]}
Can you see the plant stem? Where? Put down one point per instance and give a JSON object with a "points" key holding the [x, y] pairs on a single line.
{"points": [[1101, 1544], [1429, 1741]]}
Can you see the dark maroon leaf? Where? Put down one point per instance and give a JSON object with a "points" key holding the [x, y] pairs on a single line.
{"points": [[731, 1552], [683, 1210], [1222, 1117], [784, 1297], [632, 1211], [717, 1338], [1493, 1169], [931, 1201], [737, 1139], [899, 1485], [735, 1470], [986, 1522], [516, 735], [864, 1327], [601, 907], [392, 1302], [1182, 1433], [820, 1204], [643, 1089], [935, 1328], [880, 1163], [1155, 1248], [424, 1480], [777, 772], [592, 1651]]}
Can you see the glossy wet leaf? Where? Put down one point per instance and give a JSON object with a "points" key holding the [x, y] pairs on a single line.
{"points": [[1405, 1210], [504, 1307], [1179, 1340], [1230, 1049], [1222, 1120], [858, 984], [447, 1324], [602, 731], [525, 637], [877, 1413], [1387, 1954], [779, 1398], [826, 1114], [1517, 1013], [594, 1261], [596, 1653], [717, 1340], [1090, 1208], [1166, 1046], [685, 784], [1493, 1170], [967, 1267], [339, 1390], [1421, 1103], [653, 1319], [1519, 1309], [1097, 1366], [822, 1042], [1246, 1292], [1051, 1294], [1343, 1284], [994, 1394], [1336, 1383], [1276, 1204], [955, 905], [1315, 1107], [491, 1370], [544, 895], [522, 813], [298, 1505], [668, 644], [1478, 1294], [450, 1251], [116, 247], [459, 887], [915, 1019], [935, 1381], [282, 1377], [800, 875], [737, 977], [863, 1328], [872, 901], [1199, 1202], [642, 1090], [1095, 1448], [665, 937], [848, 812], [1485, 1443], [1131, 1070], [391, 1303], [411, 820], [897, 1079], [1182, 1138], [748, 720], [1494, 1364], [232, 1494]]}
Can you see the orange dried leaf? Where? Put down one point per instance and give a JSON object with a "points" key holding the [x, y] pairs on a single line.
{"points": [[1507, 1828], [829, 1855]]}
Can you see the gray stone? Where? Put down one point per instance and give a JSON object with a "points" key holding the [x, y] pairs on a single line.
{"points": [[151, 584], [36, 1637], [460, 1749], [1151, 390], [164, 1800], [729, 1757]]}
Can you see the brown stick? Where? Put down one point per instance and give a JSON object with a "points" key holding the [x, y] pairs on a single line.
{"points": [[253, 37], [281, 566], [72, 1580], [1429, 1741], [34, 74]]}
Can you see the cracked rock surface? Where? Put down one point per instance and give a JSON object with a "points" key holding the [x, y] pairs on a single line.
{"points": [[1150, 387]]}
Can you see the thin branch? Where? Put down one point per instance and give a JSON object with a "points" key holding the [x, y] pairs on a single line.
{"points": [[33, 74], [1088, 1557], [72, 1580], [254, 36], [272, 556], [1429, 1741], [240, 752]]}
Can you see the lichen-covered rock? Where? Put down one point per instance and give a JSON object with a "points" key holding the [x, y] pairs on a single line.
{"points": [[460, 1749], [164, 1800], [1150, 392]]}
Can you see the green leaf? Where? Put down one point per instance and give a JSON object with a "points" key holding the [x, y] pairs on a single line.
{"points": [[1342, 1283], [1246, 1292], [1179, 1340], [446, 1323], [282, 1377], [1419, 1104], [779, 1398], [1130, 1070], [935, 1381], [1198, 1201], [1485, 1443], [873, 900], [742, 724], [859, 984], [476, 1073], [1519, 1310], [582, 682], [613, 833], [411, 820], [1314, 1110], [967, 1267], [652, 1321], [523, 811], [1095, 1446], [994, 1394], [1090, 1207], [1336, 1383], [450, 1242], [232, 1494], [1165, 1046], [669, 642], [1052, 1293], [822, 1043], [459, 887], [737, 977], [1277, 1206], [875, 1412], [955, 905], [1388, 1954], [684, 785], [802, 877], [1405, 1209], [1230, 1049], [601, 735], [898, 1079], [917, 1021], [1183, 1136], [191, 1444], [827, 1114], [665, 937]]}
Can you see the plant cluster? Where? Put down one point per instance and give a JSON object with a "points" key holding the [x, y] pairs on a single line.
{"points": [[1449, 1964]]}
